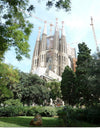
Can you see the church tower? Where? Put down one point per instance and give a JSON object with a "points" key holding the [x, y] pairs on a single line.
{"points": [[63, 57], [56, 49], [35, 59], [43, 45], [51, 53]]}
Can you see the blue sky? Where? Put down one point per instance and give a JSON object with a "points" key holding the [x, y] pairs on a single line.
{"points": [[77, 27]]}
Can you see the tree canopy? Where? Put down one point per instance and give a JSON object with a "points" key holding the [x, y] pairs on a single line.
{"points": [[68, 86], [94, 78], [60, 4], [55, 89], [30, 89], [8, 76], [82, 74], [14, 28]]}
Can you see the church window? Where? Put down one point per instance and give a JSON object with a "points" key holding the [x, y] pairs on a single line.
{"points": [[50, 67], [48, 42], [59, 70], [64, 58], [59, 60], [64, 49], [42, 57], [35, 61]]}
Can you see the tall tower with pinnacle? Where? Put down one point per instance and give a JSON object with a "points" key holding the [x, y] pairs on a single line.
{"points": [[35, 59], [51, 53], [43, 45]]}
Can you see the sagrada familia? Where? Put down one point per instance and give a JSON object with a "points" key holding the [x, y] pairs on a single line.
{"points": [[52, 53]]}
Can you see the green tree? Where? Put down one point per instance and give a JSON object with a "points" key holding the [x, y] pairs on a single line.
{"points": [[8, 76], [14, 27], [82, 73], [68, 86], [94, 78], [55, 89], [60, 4], [30, 89]]}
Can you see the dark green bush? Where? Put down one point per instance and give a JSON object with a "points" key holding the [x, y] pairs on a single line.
{"points": [[8, 111], [43, 111], [49, 111], [13, 111], [91, 115], [79, 114], [22, 111], [46, 111], [31, 111], [66, 114], [13, 102]]}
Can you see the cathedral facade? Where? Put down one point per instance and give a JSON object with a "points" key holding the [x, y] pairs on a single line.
{"points": [[52, 53]]}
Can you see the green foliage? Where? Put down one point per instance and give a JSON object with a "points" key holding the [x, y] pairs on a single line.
{"points": [[31, 89], [69, 115], [5, 93], [14, 28], [49, 111], [13, 102], [43, 111], [18, 110], [55, 89], [66, 115], [93, 115], [94, 78], [68, 86], [60, 4], [10, 111], [8, 76], [82, 73]]}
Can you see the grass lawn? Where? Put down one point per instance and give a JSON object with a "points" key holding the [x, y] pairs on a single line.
{"points": [[23, 121]]}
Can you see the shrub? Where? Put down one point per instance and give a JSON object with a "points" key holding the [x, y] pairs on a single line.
{"points": [[13, 102], [91, 115], [31, 111], [66, 114], [28, 111], [22, 111], [43, 111], [49, 111], [8, 111]]}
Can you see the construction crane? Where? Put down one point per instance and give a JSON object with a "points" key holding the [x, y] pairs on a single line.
{"points": [[97, 48], [28, 14]]}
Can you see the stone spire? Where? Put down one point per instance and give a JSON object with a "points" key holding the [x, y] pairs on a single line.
{"points": [[36, 53], [45, 27], [36, 50], [43, 46], [55, 49], [56, 29], [51, 29], [63, 30], [63, 50], [38, 37]]}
